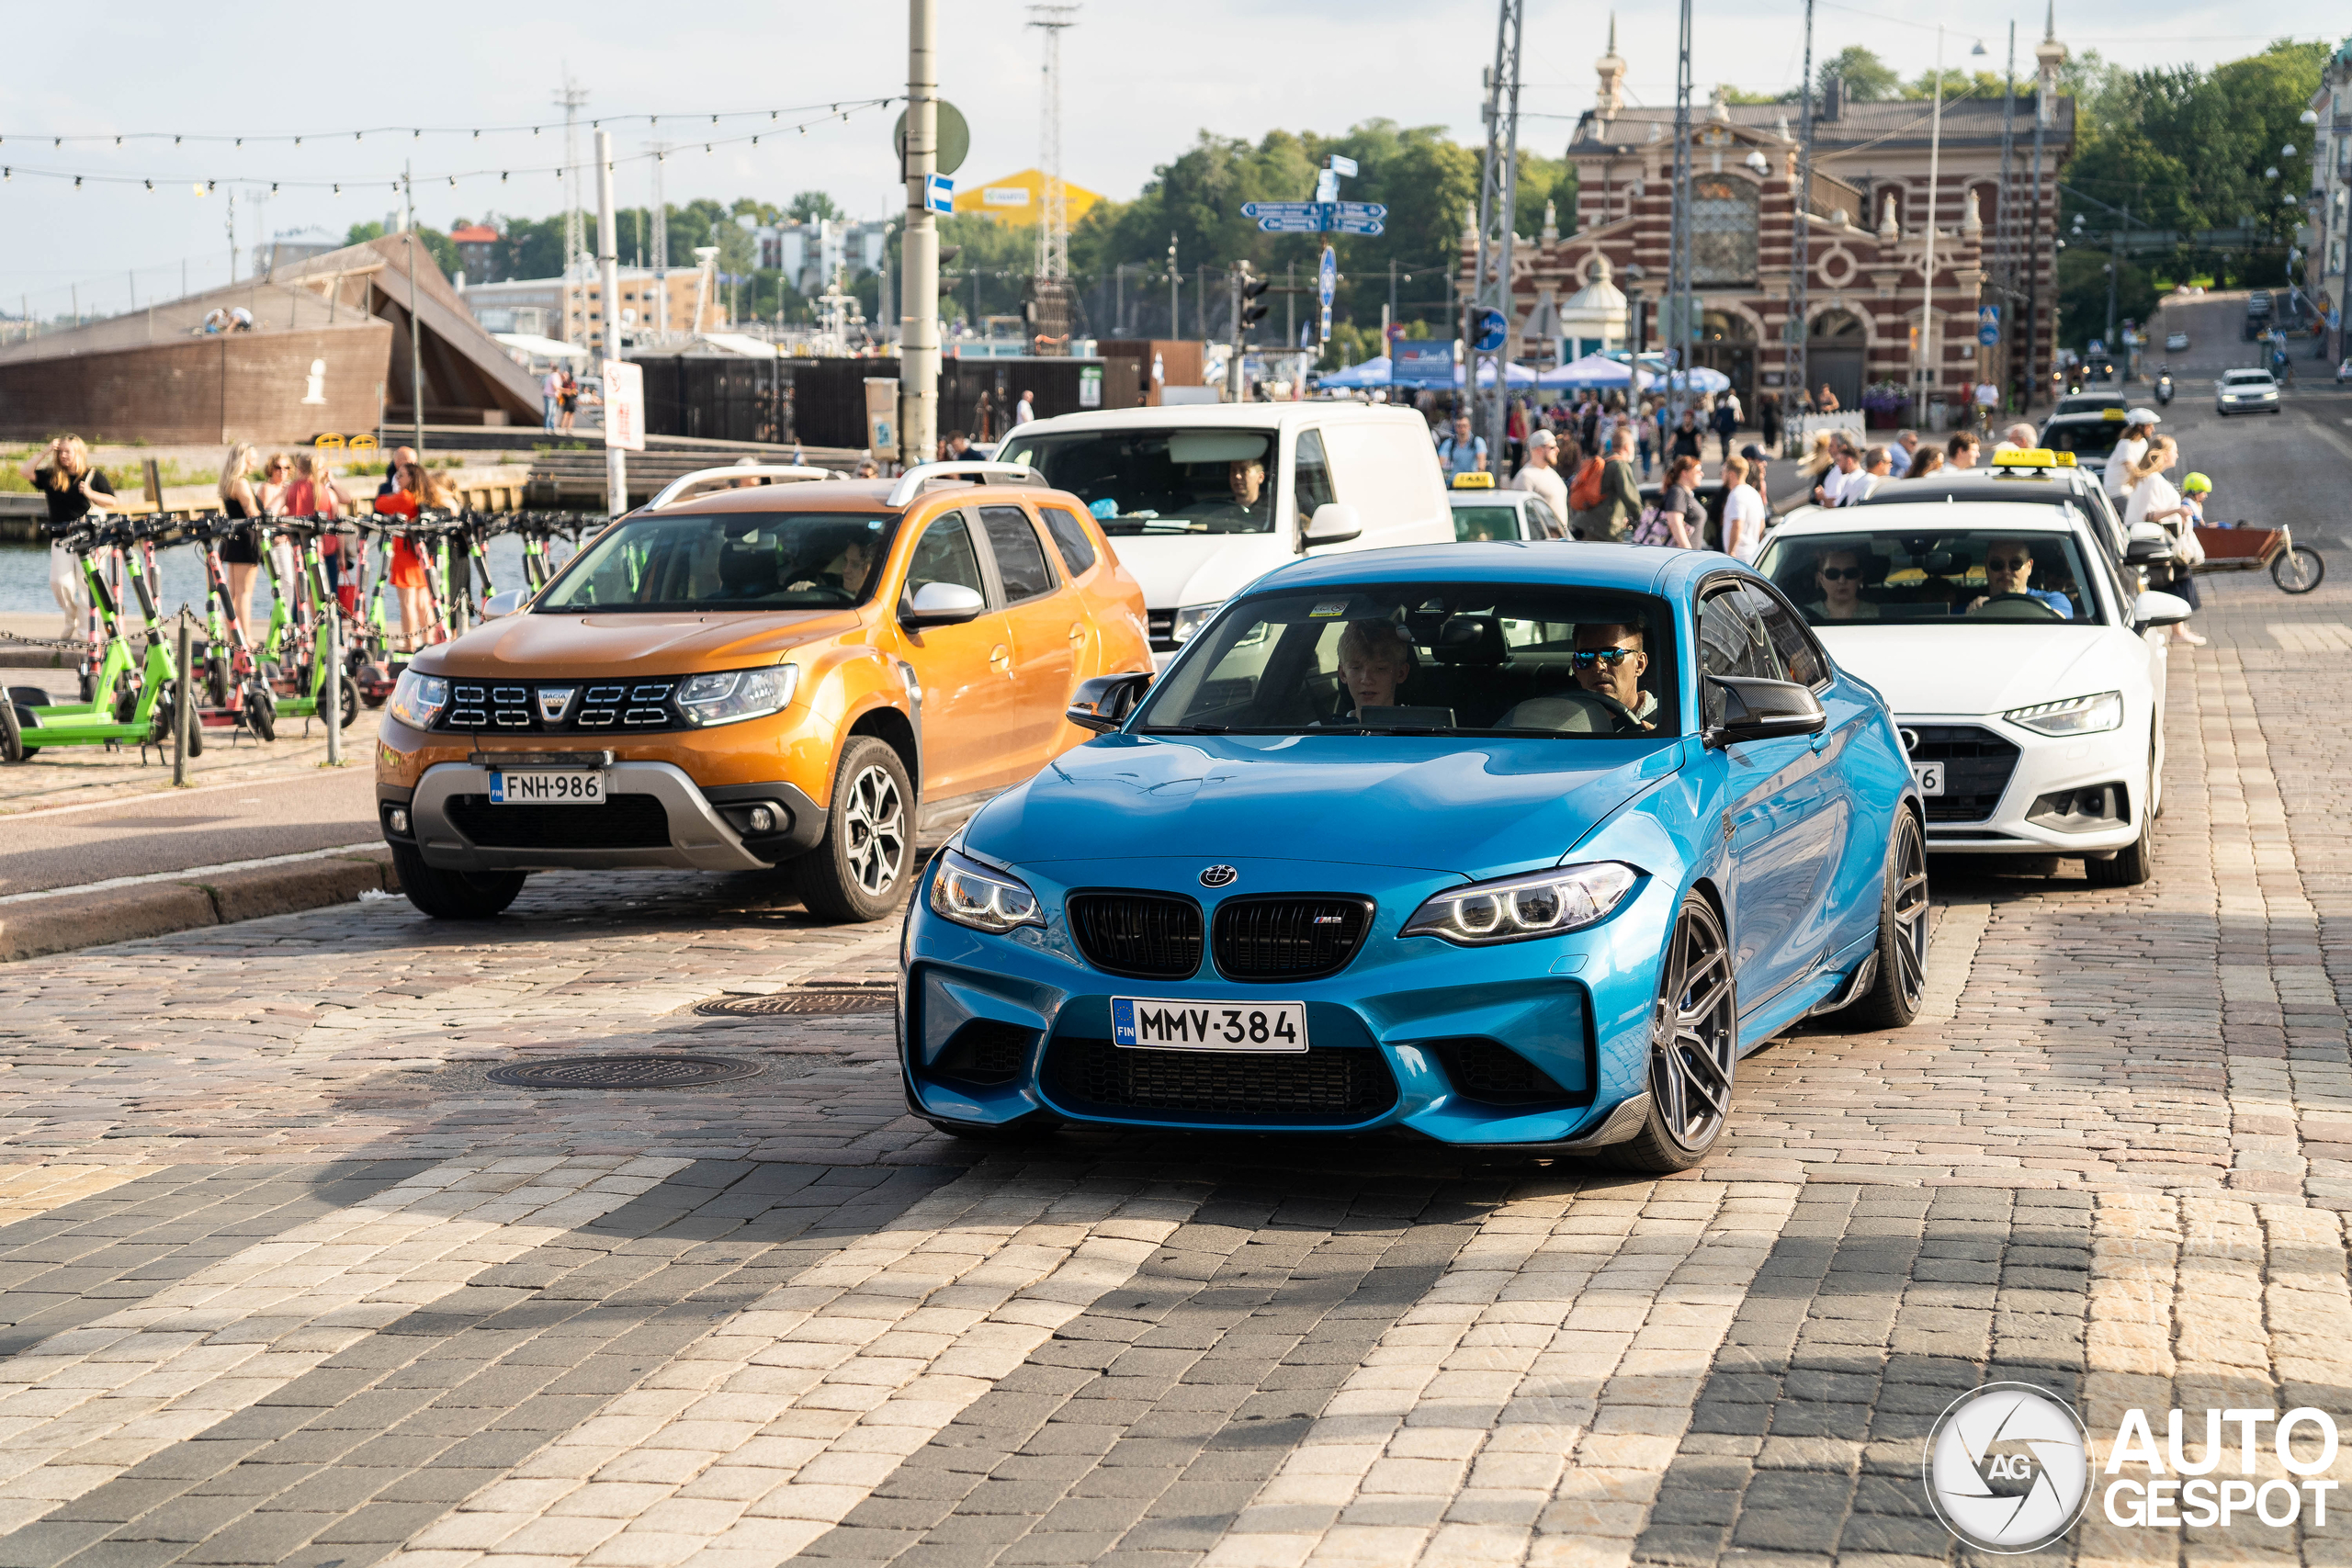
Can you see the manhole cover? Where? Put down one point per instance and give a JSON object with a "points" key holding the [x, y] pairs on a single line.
{"points": [[623, 1072], [882, 996]]}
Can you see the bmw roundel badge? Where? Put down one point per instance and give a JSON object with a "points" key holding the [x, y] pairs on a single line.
{"points": [[1220, 876]]}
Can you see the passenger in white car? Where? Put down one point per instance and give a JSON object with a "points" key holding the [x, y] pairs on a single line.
{"points": [[1838, 575]]}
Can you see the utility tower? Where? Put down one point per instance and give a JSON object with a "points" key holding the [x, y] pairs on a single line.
{"points": [[578, 265], [1053, 217], [1498, 214], [1678, 321]]}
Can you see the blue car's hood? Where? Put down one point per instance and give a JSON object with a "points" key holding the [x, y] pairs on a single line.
{"points": [[1473, 807]]}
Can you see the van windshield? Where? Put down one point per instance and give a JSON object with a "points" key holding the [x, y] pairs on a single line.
{"points": [[727, 560], [1170, 481]]}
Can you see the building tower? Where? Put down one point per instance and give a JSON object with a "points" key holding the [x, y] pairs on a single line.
{"points": [[1611, 66], [1053, 217], [578, 265]]}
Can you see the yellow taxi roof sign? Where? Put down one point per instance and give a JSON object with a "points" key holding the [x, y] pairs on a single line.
{"points": [[1473, 481], [2115, 414], [2032, 457]]}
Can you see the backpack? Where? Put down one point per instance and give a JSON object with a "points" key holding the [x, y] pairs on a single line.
{"points": [[1652, 528], [1585, 494]]}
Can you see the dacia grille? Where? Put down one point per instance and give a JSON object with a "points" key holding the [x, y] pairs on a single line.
{"points": [[1282, 937], [1145, 936], [561, 707]]}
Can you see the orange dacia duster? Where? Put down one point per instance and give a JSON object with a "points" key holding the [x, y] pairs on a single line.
{"points": [[794, 670]]}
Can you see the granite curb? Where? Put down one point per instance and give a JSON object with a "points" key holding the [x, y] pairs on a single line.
{"points": [[71, 918]]}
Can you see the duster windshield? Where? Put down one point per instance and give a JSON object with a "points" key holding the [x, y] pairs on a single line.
{"points": [[733, 560]]}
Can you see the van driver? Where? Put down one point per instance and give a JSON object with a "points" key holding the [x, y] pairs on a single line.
{"points": [[1246, 480]]}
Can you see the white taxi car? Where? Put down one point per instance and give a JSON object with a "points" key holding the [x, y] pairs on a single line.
{"points": [[1482, 512], [2020, 670]]}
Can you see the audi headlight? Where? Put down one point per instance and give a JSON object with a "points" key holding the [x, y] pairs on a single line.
{"points": [[733, 695], [1514, 908], [417, 700], [2074, 715], [1190, 619], [972, 894]]}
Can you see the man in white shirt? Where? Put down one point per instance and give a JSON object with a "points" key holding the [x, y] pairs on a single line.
{"points": [[1743, 514], [550, 397], [1026, 410], [1831, 491], [1541, 474], [2017, 438]]}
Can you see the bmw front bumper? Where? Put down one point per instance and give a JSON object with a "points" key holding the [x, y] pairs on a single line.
{"points": [[1414, 1033]]}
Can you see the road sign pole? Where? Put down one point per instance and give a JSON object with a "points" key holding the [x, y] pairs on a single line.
{"points": [[919, 244]]}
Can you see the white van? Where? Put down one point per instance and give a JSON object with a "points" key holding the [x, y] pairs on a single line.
{"points": [[1199, 500]]}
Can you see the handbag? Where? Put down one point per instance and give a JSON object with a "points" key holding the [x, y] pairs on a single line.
{"points": [[1652, 528], [2188, 550]]}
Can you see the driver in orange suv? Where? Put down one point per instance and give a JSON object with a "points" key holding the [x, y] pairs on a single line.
{"points": [[808, 673]]}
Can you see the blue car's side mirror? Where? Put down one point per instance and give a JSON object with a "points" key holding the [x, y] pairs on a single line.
{"points": [[1743, 707], [1103, 704]]}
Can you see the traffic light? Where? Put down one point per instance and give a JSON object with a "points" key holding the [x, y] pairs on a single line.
{"points": [[1253, 312]]}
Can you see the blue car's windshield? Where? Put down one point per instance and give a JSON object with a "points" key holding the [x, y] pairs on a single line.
{"points": [[1421, 658]]}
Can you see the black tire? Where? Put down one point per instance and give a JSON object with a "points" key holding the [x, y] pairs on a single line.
{"points": [[453, 895], [12, 737], [349, 700], [1694, 1046], [261, 711], [1901, 974], [2298, 570], [860, 867], [2131, 865]]}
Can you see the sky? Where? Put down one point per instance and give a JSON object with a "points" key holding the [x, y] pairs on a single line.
{"points": [[1134, 92]]}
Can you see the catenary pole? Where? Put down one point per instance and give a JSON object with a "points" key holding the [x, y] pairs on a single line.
{"points": [[415, 332], [1926, 359], [1800, 329], [609, 270], [919, 249]]}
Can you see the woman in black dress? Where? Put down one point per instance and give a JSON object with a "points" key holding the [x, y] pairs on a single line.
{"points": [[240, 552], [72, 490]]}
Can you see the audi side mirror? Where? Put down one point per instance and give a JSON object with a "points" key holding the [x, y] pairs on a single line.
{"points": [[942, 604], [1103, 704], [1755, 709], [2153, 609]]}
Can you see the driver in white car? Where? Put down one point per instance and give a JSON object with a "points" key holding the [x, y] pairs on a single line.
{"points": [[2008, 569]]}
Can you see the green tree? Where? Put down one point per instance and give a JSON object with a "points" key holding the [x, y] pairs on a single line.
{"points": [[811, 206], [1867, 77]]}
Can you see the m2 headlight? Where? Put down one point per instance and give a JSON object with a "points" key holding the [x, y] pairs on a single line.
{"points": [[2074, 715], [973, 895], [732, 695], [1516, 909], [418, 699]]}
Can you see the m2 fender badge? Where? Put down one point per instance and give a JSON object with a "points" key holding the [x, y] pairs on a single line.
{"points": [[1220, 876]]}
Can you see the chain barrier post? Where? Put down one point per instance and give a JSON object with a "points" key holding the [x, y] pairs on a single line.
{"points": [[181, 717]]}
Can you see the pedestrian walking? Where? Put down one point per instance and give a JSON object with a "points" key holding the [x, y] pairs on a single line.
{"points": [[240, 551], [2017, 438], [1459, 452], [1538, 476], [1743, 513], [1760, 472], [568, 400], [1026, 410], [2139, 425], [1768, 422], [1678, 517], [1846, 466], [1645, 436], [550, 397], [1726, 422], [1905, 448], [1928, 461], [72, 490], [404, 565], [2154, 500], [1960, 453], [1615, 500]]}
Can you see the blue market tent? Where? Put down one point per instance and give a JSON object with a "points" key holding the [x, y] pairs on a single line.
{"points": [[1373, 372], [1594, 370]]}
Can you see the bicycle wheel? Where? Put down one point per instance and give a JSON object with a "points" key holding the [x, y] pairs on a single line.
{"points": [[2298, 570]]}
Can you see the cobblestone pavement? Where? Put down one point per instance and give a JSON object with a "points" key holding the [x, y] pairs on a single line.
{"points": [[286, 1278]]}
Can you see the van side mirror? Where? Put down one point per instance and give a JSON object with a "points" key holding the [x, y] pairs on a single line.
{"points": [[1103, 704], [1757, 709], [941, 605], [2153, 609], [1334, 522], [504, 603]]}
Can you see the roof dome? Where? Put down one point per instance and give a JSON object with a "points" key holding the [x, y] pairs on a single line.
{"points": [[1599, 295]]}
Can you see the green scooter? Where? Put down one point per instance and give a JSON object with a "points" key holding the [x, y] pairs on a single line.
{"points": [[299, 688], [124, 706]]}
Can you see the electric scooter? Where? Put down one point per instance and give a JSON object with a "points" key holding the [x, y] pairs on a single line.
{"points": [[125, 705], [299, 688]]}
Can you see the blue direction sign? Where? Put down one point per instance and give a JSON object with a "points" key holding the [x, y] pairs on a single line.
{"points": [[1988, 325], [1317, 216], [1492, 329]]}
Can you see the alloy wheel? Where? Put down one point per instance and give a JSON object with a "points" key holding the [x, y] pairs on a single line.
{"points": [[1911, 912], [1695, 1036], [874, 830]]}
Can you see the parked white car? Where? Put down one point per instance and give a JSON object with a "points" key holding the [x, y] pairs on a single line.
{"points": [[2022, 673], [1202, 499]]}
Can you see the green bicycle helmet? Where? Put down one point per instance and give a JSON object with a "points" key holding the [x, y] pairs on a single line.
{"points": [[2197, 484]]}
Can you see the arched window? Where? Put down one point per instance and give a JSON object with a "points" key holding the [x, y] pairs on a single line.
{"points": [[1836, 324], [1722, 229], [1723, 326]]}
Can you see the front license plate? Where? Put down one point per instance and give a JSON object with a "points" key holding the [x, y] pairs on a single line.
{"points": [[1930, 777], [1145, 1025], [547, 789]]}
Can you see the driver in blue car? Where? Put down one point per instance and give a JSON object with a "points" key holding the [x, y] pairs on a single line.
{"points": [[2008, 569], [1610, 662]]}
